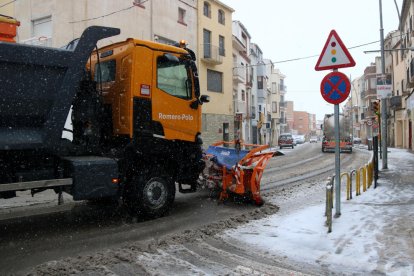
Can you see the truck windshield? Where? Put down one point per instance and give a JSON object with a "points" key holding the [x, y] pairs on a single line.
{"points": [[173, 78]]}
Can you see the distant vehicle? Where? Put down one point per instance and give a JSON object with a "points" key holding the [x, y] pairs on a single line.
{"points": [[286, 141], [299, 139], [313, 139], [328, 142], [356, 140]]}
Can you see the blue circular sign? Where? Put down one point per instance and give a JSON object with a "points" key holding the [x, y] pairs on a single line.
{"points": [[335, 87]]}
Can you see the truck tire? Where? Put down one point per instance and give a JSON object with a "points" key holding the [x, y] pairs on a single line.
{"points": [[151, 197]]}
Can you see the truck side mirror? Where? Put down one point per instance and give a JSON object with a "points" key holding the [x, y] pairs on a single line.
{"points": [[205, 99]]}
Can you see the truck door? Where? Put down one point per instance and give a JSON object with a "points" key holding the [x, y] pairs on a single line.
{"points": [[172, 96]]}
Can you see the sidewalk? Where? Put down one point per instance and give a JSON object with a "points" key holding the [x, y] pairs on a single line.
{"points": [[373, 236]]}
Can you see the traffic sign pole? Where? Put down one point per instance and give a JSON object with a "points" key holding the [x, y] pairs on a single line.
{"points": [[337, 164], [335, 89]]}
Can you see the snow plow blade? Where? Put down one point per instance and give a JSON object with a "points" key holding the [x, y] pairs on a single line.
{"points": [[237, 168]]}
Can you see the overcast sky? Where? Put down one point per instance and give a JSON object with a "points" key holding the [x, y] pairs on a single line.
{"points": [[286, 29]]}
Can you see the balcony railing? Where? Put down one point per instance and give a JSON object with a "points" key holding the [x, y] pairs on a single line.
{"points": [[212, 54]]}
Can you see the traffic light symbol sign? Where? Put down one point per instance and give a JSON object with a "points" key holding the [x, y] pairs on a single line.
{"points": [[334, 54]]}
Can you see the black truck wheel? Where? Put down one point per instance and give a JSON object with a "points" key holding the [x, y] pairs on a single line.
{"points": [[152, 197]]}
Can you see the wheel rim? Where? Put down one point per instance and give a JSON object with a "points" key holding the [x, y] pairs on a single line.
{"points": [[155, 193]]}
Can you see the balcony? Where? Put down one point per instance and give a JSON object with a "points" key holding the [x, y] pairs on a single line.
{"points": [[368, 94], [240, 106], [239, 74], [212, 54]]}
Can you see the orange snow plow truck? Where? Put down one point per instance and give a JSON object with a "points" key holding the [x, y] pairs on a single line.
{"points": [[122, 122]]}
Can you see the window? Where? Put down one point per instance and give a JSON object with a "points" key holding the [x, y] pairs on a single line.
{"points": [[207, 9], [214, 81], [243, 95], [274, 87], [373, 83], [207, 43], [260, 82], [181, 16], [221, 17], [274, 107], [221, 46], [42, 29], [105, 71], [172, 78]]}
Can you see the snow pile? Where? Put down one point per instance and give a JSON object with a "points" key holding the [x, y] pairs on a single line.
{"points": [[372, 235]]}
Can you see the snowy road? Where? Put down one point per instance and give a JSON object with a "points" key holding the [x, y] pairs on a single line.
{"points": [[93, 241]]}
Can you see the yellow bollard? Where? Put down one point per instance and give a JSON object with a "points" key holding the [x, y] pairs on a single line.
{"points": [[357, 184], [364, 179], [348, 184], [329, 204]]}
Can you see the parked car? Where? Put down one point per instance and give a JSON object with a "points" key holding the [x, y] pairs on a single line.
{"points": [[357, 140], [299, 139], [286, 141], [313, 139]]}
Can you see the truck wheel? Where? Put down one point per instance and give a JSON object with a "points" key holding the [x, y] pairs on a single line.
{"points": [[152, 197]]}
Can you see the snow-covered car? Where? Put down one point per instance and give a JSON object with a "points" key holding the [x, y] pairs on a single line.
{"points": [[313, 139], [299, 139], [357, 140]]}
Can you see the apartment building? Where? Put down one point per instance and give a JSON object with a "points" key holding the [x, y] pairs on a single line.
{"points": [[263, 93], [256, 57], [301, 122], [403, 130], [215, 65], [55, 23], [276, 80], [282, 105], [289, 117], [242, 82]]}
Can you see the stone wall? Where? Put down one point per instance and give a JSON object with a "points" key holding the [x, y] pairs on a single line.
{"points": [[212, 130]]}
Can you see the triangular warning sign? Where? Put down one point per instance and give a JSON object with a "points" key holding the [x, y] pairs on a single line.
{"points": [[334, 54]]}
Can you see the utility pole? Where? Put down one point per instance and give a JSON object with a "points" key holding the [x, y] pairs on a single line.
{"points": [[384, 136]]}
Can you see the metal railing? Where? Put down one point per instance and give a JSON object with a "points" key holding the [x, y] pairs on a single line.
{"points": [[368, 174]]}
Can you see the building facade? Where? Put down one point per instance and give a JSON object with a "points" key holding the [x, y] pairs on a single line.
{"points": [[56, 23], [215, 65], [242, 82]]}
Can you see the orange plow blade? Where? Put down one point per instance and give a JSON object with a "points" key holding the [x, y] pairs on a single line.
{"points": [[237, 168]]}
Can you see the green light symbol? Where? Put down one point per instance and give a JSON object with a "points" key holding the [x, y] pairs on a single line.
{"points": [[334, 59]]}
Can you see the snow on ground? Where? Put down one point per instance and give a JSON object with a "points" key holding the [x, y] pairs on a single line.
{"points": [[374, 234]]}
